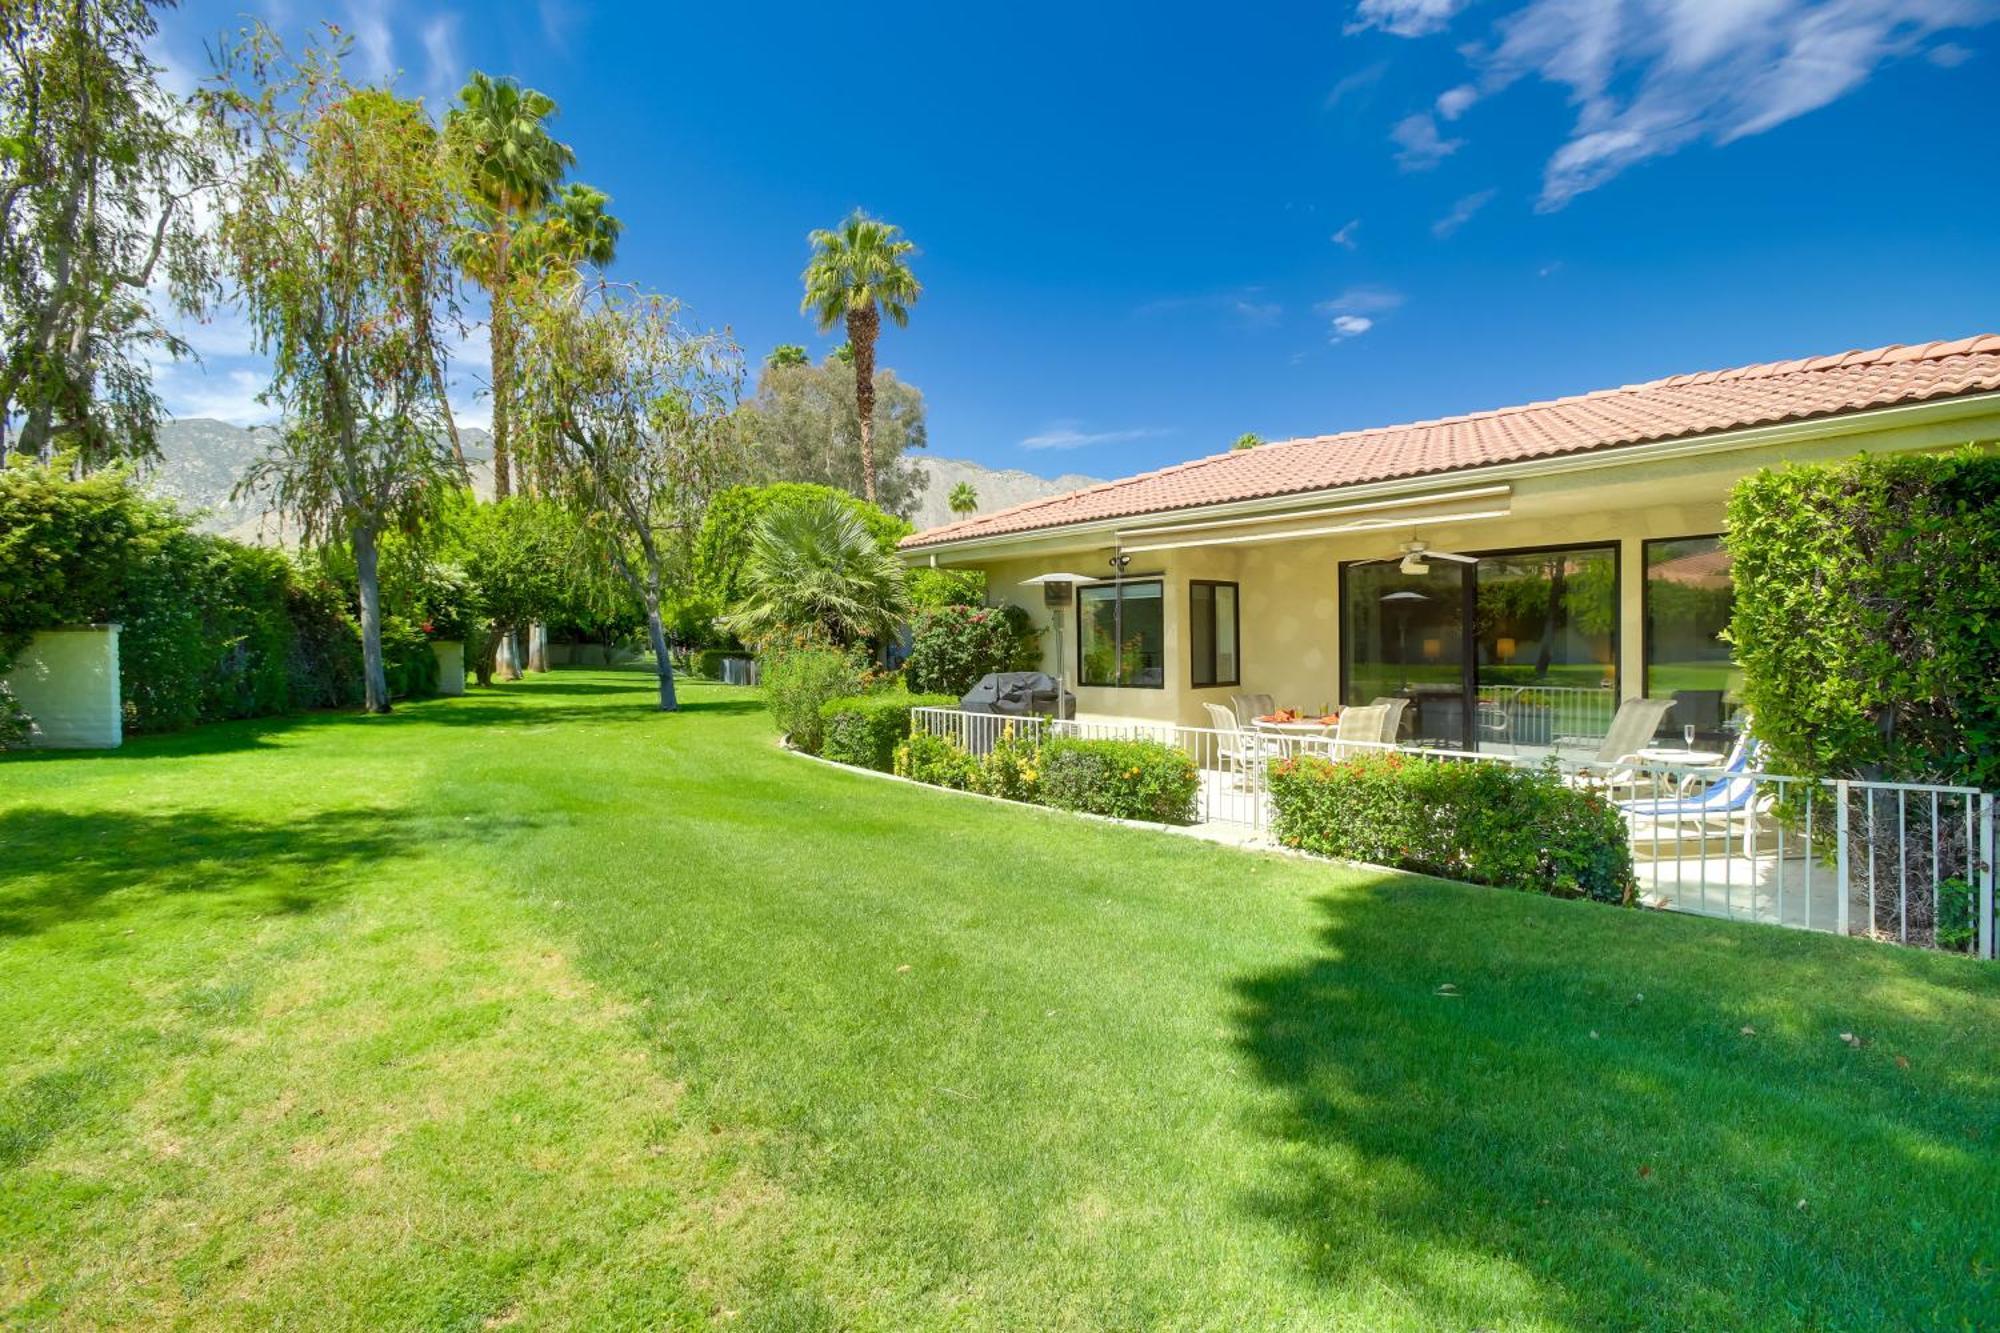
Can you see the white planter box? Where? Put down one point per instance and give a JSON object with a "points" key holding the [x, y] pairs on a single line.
{"points": [[67, 680], [451, 666]]}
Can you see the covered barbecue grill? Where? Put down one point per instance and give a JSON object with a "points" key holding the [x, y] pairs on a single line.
{"points": [[1019, 694]]}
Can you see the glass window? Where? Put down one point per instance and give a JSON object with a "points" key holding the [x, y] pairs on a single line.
{"points": [[1122, 635], [1212, 630], [1546, 635], [1690, 595], [1403, 637]]}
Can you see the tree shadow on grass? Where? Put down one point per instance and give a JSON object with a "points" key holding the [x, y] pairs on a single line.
{"points": [[1496, 1109], [59, 866]]}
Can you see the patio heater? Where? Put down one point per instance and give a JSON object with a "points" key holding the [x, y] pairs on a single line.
{"points": [[1058, 595]]}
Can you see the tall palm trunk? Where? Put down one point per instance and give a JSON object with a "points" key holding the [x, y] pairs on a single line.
{"points": [[862, 326], [503, 350]]}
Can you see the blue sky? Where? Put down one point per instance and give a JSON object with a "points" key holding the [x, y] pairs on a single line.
{"points": [[1148, 228]]}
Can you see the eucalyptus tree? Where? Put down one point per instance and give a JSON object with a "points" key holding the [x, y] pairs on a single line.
{"points": [[963, 499], [101, 174], [860, 271], [336, 229], [498, 138], [626, 416], [802, 424]]}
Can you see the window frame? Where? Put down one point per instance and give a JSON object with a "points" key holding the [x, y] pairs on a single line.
{"points": [[1236, 634], [1119, 585]]}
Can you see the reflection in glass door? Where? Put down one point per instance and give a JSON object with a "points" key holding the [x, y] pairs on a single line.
{"points": [[1546, 627], [1405, 638]]}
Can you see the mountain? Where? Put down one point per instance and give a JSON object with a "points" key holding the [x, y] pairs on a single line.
{"points": [[997, 488], [201, 461]]}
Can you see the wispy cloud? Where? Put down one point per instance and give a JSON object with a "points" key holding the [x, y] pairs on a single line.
{"points": [[1462, 213], [1068, 433], [1405, 18], [1419, 146], [1649, 79], [368, 20], [444, 66], [1246, 307], [1356, 85], [1345, 237], [1355, 311], [225, 395]]}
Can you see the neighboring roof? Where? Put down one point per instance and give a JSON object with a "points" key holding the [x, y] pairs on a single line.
{"points": [[1668, 409]]}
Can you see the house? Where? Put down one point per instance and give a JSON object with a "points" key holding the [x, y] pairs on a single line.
{"points": [[1513, 573]]}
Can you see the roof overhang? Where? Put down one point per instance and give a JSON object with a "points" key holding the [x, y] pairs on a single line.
{"points": [[1438, 487]]}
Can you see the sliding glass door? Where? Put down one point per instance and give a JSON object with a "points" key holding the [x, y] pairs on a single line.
{"points": [[1518, 650]]}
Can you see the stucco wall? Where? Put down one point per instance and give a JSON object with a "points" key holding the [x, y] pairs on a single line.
{"points": [[67, 680], [1290, 589]]}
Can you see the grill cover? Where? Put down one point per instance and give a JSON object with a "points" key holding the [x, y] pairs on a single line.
{"points": [[1018, 694]]}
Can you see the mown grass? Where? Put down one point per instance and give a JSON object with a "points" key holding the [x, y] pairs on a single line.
{"points": [[540, 1009]]}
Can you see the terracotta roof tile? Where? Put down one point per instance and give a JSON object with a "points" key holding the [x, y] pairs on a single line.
{"points": [[1666, 409]]}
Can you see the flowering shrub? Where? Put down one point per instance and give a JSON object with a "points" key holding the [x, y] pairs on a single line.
{"points": [[1124, 779], [866, 729], [1484, 823], [935, 760], [799, 681], [951, 647], [1012, 769]]}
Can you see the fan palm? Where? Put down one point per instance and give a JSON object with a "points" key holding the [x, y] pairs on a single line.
{"points": [[815, 572], [963, 499], [575, 228], [859, 271], [498, 135]]}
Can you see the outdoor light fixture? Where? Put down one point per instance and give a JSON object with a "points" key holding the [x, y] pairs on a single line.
{"points": [[1504, 649]]}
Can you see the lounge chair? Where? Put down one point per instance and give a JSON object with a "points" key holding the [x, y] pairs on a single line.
{"points": [[1632, 729], [1729, 800], [1360, 730]]}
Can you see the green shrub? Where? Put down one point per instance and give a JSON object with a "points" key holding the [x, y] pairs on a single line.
{"points": [[928, 589], [324, 662], [707, 662], [1135, 779], [797, 681], [865, 729], [935, 760], [1485, 823], [951, 647], [408, 659], [1012, 768], [1865, 616]]}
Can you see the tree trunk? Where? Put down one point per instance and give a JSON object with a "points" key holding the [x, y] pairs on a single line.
{"points": [[376, 680], [862, 326], [538, 647], [657, 632], [508, 662], [503, 354]]}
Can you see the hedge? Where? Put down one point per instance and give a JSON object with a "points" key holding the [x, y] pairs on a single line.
{"points": [[933, 759], [1867, 618], [1485, 823], [1135, 779], [799, 681], [865, 730]]}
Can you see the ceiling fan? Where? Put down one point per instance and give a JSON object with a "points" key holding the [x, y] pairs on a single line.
{"points": [[1416, 558]]}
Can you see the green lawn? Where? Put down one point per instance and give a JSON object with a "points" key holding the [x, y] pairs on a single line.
{"points": [[541, 1009]]}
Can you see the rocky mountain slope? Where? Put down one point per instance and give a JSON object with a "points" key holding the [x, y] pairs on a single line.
{"points": [[997, 488]]}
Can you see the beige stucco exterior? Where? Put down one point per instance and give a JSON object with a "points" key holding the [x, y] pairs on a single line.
{"points": [[1289, 586]]}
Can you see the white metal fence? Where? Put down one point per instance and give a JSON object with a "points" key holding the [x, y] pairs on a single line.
{"points": [[1908, 862], [1543, 715]]}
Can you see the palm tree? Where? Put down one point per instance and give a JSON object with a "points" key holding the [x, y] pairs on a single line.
{"points": [[814, 571], [963, 499], [1249, 439], [499, 138], [576, 228], [786, 355], [859, 271]]}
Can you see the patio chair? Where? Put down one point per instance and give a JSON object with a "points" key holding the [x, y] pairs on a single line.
{"points": [[1250, 707], [1632, 729], [1729, 800], [1360, 731], [1237, 748], [1496, 715], [1392, 720]]}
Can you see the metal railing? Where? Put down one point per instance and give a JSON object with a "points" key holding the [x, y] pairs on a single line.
{"points": [[1912, 863], [1543, 715]]}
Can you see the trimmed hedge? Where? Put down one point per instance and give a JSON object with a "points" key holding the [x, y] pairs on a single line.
{"points": [[935, 760], [1485, 823], [1134, 779], [1867, 617], [865, 729]]}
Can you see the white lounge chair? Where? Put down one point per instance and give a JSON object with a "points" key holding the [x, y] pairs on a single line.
{"points": [[1731, 800]]}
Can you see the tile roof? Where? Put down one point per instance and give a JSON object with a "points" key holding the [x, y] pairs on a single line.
{"points": [[1674, 408]]}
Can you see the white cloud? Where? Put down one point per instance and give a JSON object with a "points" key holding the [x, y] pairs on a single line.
{"points": [[1246, 307], [1949, 55], [225, 395], [1344, 238], [1069, 434], [1462, 213], [1356, 84], [1349, 326], [1405, 18], [444, 67], [1419, 146], [1649, 77], [368, 20]]}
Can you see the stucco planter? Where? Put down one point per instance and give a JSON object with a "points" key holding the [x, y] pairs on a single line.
{"points": [[451, 666], [67, 681]]}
